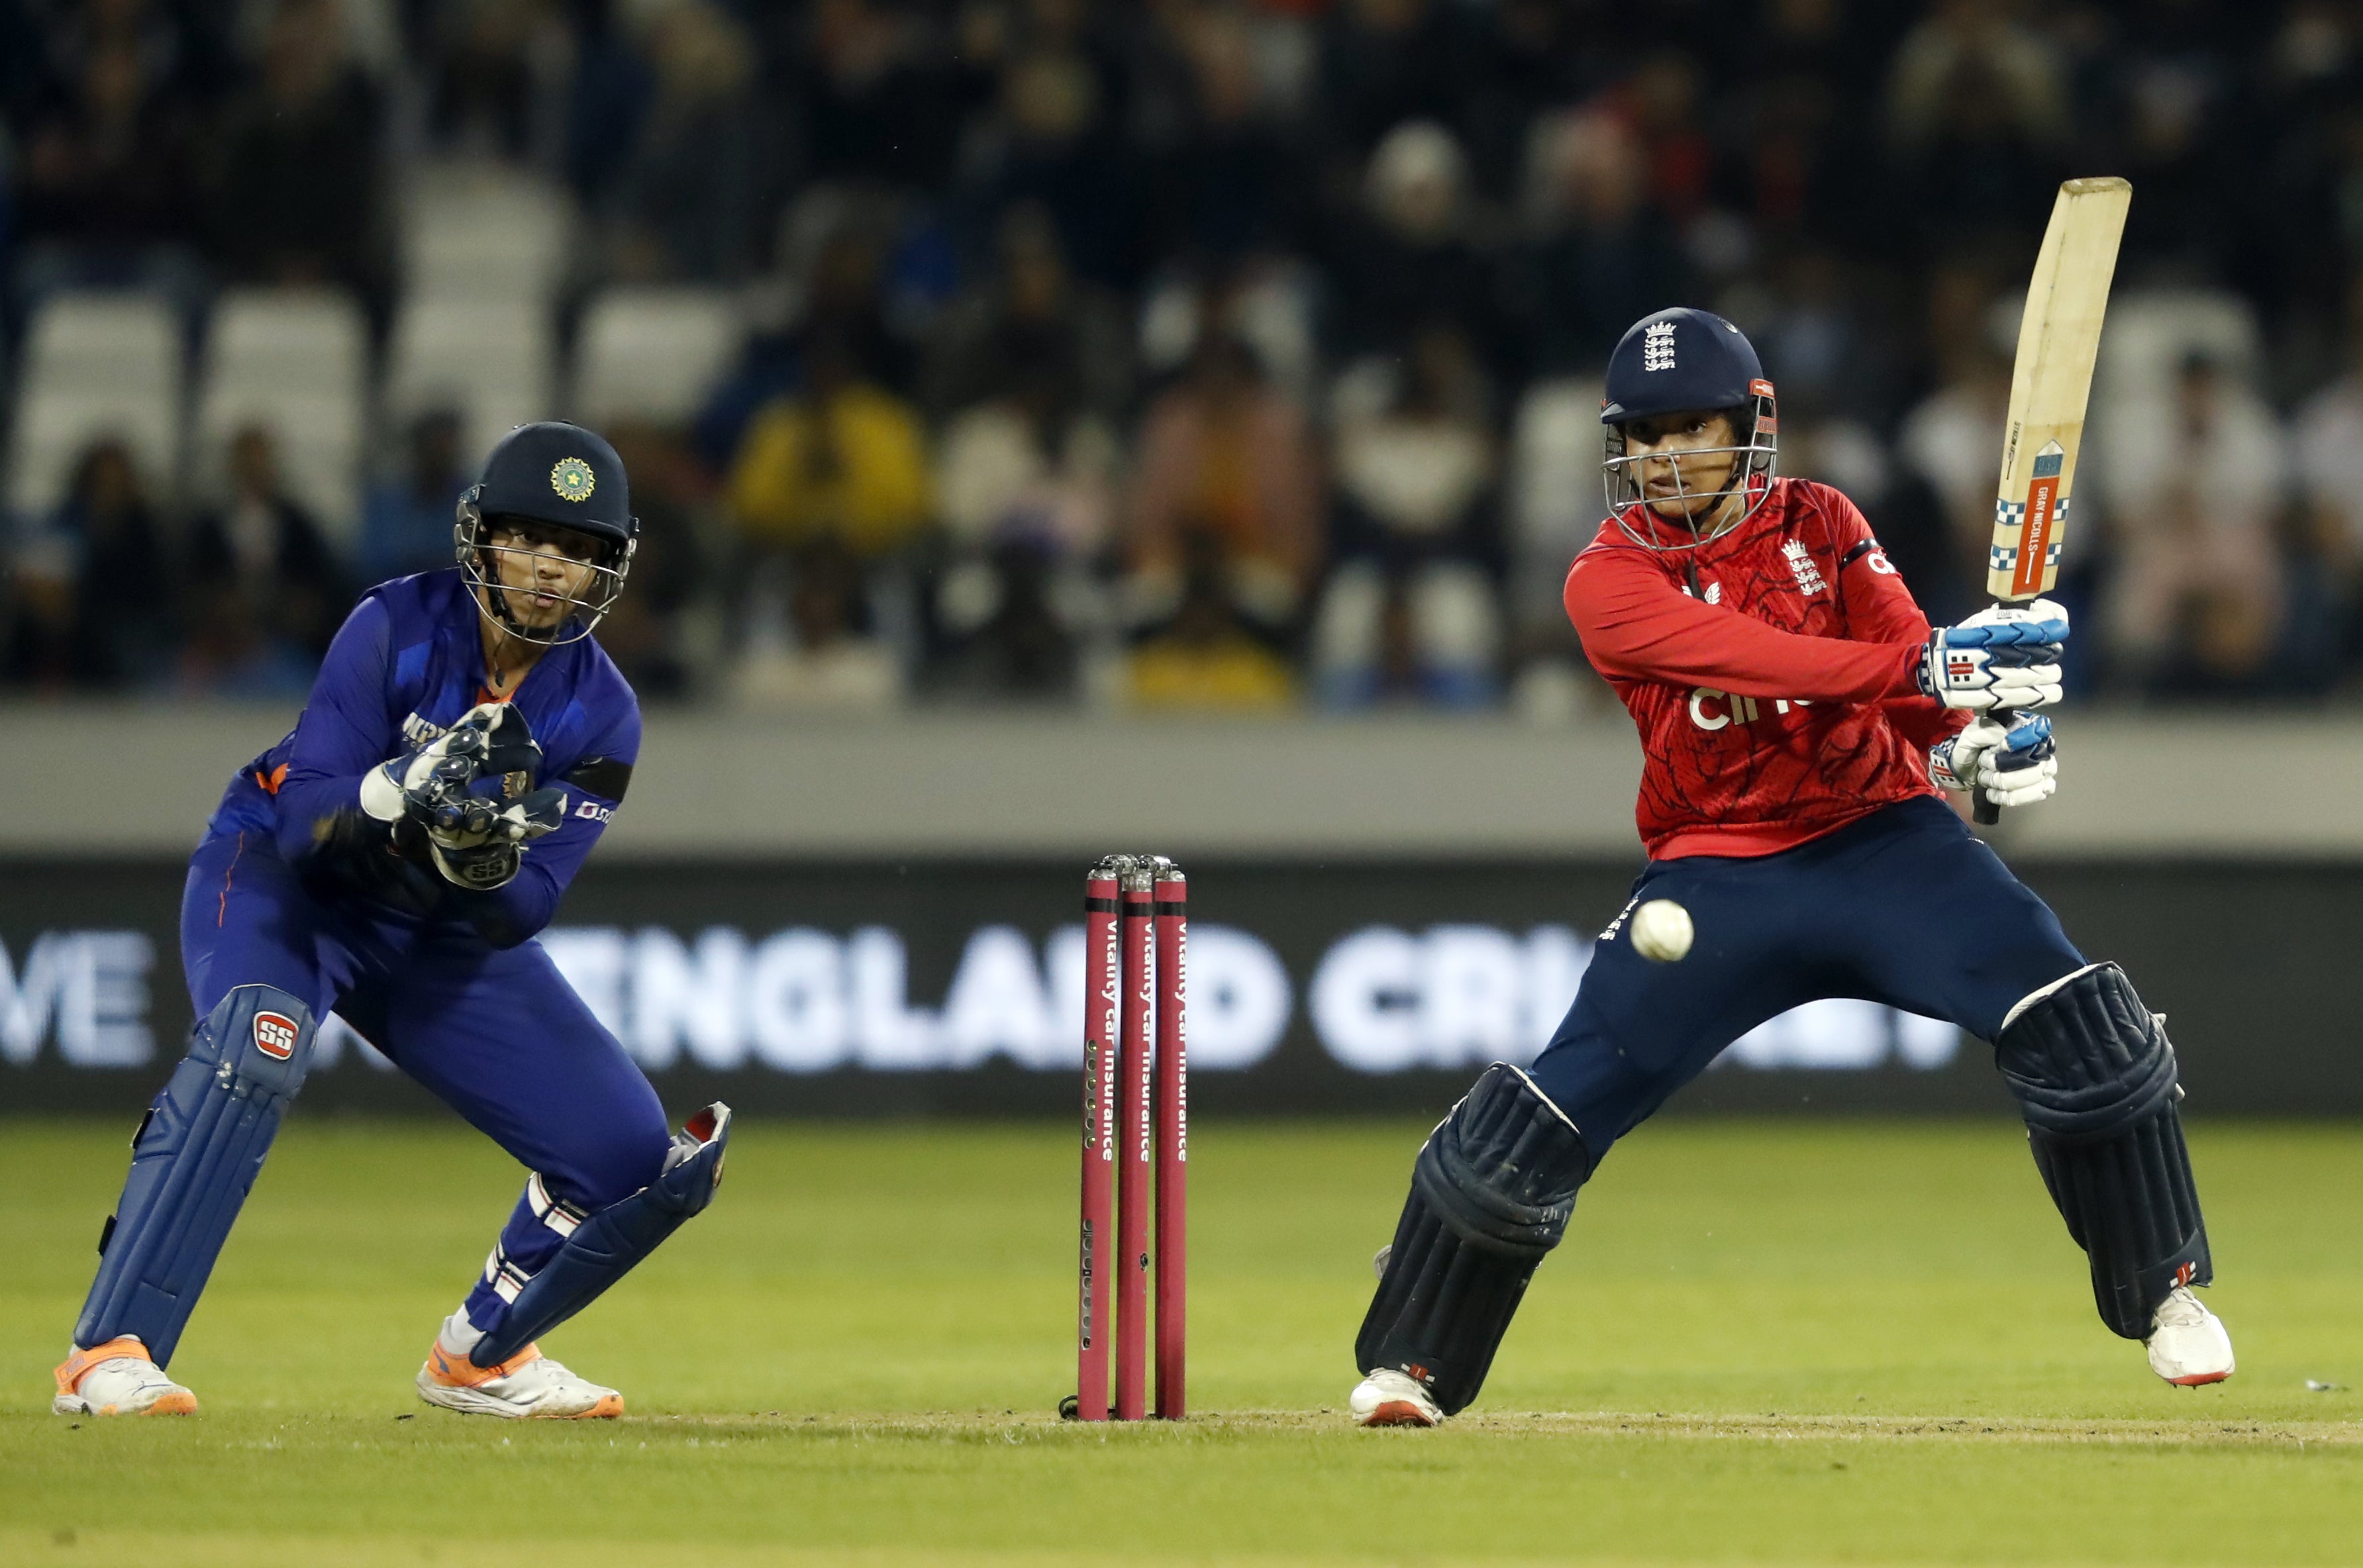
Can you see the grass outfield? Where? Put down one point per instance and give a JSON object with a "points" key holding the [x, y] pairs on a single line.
{"points": [[1790, 1344]]}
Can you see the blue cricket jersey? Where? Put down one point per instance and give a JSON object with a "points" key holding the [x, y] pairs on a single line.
{"points": [[407, 663]]}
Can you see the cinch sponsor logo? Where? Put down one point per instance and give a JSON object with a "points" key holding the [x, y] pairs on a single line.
{"points": [[1714, 710], [274, 1035]]}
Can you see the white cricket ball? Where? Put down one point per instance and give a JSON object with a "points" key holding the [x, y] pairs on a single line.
{"points": [[1663, 932]]}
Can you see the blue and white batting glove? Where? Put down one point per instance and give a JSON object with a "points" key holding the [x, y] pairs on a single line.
{"points": [[2000, 657], [2017, 766]]}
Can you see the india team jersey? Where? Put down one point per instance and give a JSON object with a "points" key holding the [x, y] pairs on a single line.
{"points": [[405, 666], [1769, 671]]}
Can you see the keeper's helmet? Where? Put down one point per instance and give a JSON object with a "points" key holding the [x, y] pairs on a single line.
{"points": [[560, 475], [1682, 361]]}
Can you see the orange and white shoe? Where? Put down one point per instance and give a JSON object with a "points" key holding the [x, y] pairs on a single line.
{"points": [[1389, 1398], [118, 1379], [527, 1384]]}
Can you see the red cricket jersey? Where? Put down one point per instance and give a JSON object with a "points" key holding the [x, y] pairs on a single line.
{"points": [[1769, 672]]}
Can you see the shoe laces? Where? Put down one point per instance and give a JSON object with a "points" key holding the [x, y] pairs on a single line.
{"points": [[2180, 1309]]}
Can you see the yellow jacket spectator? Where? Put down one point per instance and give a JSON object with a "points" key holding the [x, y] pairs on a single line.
{"points": [[842, 460]]}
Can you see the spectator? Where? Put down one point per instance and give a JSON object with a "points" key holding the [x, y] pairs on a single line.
{"points": [[2329, 447], [492, 85], [1408, 260], [234, 649], [841, 459], [1952, 439], [298, 197], [1019, 644], [1033, 322], [1598, 255], [1206, 657], [823, 657], [265, 551], [1228, 478], [687, 194], [1535, 63], [91, 599], [660, 632], [406, 521], [1050, 143], [1411, 614], [1660, 101], [1026, 481], [2194, 491], [1232, 185], [1384, 62], [878, 110], [104, 178], [1977, 111]]}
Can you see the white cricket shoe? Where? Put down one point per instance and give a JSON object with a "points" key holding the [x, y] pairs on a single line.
{"points": [[1393, 1399], [527, 1384], [2188, 1344], [117, 1379]]}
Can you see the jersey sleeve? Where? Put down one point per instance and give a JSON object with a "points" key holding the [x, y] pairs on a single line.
{"points": [[1636, 624], [1881, 609], [594, 786], [344, 732]]}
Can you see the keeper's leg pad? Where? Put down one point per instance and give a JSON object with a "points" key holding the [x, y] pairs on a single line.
{"points": [[1490, 1193], [604, 1247], [193, 1161], [2095, 1076]]}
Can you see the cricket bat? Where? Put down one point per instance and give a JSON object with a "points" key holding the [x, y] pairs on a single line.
{"points": [[2059, 338]]}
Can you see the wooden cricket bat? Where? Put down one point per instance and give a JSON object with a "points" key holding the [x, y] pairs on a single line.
{"points": [[2059, 338]]}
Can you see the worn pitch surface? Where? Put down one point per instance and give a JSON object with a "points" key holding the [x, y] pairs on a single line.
{"points": [[1793, 1343]]}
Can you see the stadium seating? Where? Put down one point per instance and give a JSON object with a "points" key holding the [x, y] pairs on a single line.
{"points": [[482, 232], [653, 353], [295, 361], [490, 359], [96, 363]]}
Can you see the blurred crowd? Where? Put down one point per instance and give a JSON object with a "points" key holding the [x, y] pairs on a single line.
{"points": [[1235, 354]]}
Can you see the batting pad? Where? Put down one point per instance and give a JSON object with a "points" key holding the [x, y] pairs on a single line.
{"points": [[193, 1161], [2095, 1077], [602, 1248], [1491, 1194]]}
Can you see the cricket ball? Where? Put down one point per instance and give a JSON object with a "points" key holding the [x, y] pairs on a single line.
{"points": [[1661, 931]]}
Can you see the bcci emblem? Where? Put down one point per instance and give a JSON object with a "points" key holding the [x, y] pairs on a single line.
{"points": [[572, 479]]}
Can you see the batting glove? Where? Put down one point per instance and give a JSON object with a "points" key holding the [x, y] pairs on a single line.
{"points": [[2013, 766], [2001, 658]]}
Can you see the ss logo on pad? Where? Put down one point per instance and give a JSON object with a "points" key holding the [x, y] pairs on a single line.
{"points": [[274, 1035]]}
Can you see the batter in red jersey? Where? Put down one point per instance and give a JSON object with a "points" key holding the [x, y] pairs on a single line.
{"points": [[1800, 721]]}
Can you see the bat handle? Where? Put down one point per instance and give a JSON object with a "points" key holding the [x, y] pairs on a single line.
{"points": [[1986, 810]]}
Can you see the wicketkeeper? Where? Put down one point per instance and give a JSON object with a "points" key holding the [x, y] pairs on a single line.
{"points": [[392, 860]]}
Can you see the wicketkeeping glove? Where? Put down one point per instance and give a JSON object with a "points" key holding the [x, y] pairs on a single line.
{"points": [[1999, 658], [2013, 766], [486, 853], [457, 781]]}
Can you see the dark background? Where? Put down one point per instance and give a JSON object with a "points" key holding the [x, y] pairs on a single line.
{"points": [[2252, 962]]}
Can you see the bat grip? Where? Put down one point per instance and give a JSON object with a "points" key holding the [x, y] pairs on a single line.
{"points": [[1986, 811]]}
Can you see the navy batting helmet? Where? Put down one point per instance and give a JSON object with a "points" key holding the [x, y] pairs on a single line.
{"points": [[1687, 361], [563, 476]]}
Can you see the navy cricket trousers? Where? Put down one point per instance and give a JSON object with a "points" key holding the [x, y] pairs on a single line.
{"points": [[497, 1034], [1907, 907]]}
